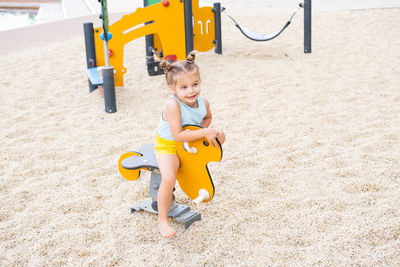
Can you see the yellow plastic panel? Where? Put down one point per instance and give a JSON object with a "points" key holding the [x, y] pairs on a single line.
{"points": [[203, 28], [193, 174], [157, 44], [130, 175], [167, 22]]}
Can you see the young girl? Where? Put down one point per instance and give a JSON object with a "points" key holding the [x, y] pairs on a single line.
{"points": [[184, 107]]}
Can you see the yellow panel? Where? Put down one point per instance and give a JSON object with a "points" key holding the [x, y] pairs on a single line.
{"points": [[157, 44], [193, 174], [130, 175], [203, 29], [168, 28], [168, 23]]}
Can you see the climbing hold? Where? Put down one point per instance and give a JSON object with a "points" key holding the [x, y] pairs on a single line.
{"points": [[109, 35]]}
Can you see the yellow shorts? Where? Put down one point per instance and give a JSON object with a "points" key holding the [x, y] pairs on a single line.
{"points": [[163, 146]]}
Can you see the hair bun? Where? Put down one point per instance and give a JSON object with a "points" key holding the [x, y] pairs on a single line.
{"points": [[165, 65], [190, 57]]}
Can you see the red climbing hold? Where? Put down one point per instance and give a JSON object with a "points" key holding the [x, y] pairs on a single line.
{"points": [[170, 58]]}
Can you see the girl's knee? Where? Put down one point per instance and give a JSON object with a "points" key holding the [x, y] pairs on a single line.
{"points": [[168, 180]]}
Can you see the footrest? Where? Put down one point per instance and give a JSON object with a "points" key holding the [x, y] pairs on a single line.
{"points": [[188, 218], [144, 205], [180, 213], [94, 75]]}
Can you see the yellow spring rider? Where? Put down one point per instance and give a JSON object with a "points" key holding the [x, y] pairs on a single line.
{"points": [[193, 175]]}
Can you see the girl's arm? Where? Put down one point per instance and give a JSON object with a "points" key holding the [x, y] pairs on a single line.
{"points": [[173, 116], [207, 119]]}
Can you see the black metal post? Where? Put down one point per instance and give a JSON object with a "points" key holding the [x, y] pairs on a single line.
{"points": [[149, 42], [307, 26], [90, 50], [109, 90], [153, 67], [188, 25], [217, 22]]}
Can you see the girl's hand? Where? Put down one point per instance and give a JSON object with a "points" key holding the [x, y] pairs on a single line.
{"points": [[211, 135], [221, 137]]}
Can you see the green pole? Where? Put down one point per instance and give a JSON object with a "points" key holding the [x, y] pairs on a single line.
{"points": [[108, 71], [152, 2], [104, 17]]}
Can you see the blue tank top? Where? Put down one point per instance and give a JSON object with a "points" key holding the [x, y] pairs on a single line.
{"points": [[189, 116]]}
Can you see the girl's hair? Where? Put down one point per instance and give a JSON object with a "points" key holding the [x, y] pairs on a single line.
{"points": [[182, 66]]}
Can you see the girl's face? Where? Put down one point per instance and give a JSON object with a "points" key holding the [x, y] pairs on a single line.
{"points": [[187, 88]]}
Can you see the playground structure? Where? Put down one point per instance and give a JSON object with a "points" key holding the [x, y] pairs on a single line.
{"points": [[172, 29], [193, 175]]}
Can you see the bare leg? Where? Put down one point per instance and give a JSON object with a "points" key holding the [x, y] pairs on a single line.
{"points": [[168, 165]]}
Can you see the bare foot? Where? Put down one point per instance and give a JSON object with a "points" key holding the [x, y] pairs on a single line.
{"points": [[166, 230]]}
